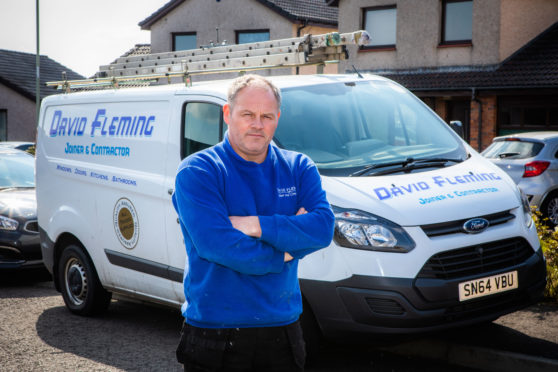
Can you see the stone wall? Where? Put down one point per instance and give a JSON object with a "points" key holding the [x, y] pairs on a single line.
{"points": [[21, 115]]}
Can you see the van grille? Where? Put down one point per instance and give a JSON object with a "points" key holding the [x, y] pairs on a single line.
{"points": [[453, 227], [385, 306], [477, 259]]}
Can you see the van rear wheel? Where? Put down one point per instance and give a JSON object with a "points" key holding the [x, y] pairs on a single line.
{"points": [[81, 289]]}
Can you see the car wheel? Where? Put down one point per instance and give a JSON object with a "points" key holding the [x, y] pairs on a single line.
{"points": [[81, 289], [550, 209]]}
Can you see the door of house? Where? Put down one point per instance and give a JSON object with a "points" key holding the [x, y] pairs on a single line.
{"points": [[460, 110]]}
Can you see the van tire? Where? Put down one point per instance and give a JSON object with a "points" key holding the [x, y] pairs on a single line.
{"points": [[78, 281], [549, 209]]}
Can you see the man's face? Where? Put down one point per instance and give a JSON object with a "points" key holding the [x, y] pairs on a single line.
{"points": [[252, 122]]}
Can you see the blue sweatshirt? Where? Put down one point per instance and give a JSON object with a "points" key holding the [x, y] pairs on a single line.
{"points": [[233, 280]]}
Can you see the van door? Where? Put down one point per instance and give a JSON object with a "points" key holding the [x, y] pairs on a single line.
{"points": [[122, 174], [201, 127]]}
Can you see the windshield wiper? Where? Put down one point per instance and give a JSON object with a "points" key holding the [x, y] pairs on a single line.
{"points": [[406, 166], [507, 154], [364, 170]]}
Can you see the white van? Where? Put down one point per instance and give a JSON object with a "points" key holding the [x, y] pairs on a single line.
{"points": [[428, 233]]}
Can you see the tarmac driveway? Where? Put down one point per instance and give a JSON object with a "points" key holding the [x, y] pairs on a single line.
{"points": [[37, 333]]}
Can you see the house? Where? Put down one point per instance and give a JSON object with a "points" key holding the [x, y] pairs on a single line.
{"points": [[18, 114], [190, 24], [492, 64]]}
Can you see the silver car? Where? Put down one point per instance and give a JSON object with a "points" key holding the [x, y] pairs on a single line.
{"points": [[531, 159]]}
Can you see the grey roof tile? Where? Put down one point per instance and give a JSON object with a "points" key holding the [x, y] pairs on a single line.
{"points": [[535, 65], [17, 71], [305, 10]]}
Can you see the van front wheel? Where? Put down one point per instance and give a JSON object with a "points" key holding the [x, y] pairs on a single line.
{"points": [[81, 289]]}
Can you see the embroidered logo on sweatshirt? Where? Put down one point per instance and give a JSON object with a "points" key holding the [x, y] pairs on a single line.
{"points": [[284, 192]]}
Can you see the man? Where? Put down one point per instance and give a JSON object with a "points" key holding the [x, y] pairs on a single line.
{"points": [[248, 211]]}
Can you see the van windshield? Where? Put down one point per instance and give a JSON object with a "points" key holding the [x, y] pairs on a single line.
{"points": [[344, 127]]}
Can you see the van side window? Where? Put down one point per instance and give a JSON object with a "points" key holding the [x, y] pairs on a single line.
{"points": [[203, 126]]}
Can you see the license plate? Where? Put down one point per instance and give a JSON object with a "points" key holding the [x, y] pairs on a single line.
{"points": [[488, 286]]}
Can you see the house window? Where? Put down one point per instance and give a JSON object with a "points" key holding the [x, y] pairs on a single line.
{"points": [[521, 113], [184, 41], [457, 22], [203, 126], [251, 36], [3, 125], [381, 24]]}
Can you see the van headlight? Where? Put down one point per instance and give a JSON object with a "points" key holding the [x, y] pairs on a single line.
{"points": [[8, 224], [526, 209], [362, 230]]}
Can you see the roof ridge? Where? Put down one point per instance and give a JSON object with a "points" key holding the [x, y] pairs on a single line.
{"points": [[323, 14]]}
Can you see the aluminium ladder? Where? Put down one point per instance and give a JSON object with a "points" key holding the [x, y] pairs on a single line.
{"points": [[294, 52]]}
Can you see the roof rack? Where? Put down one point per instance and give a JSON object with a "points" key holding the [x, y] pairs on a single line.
{"points": [[294, 52]]}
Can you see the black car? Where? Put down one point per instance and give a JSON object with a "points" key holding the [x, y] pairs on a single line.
{"points": [[19, 231], [18, 145]]}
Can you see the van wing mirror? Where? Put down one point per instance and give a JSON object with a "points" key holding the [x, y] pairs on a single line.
{"points": [[457, 127]]}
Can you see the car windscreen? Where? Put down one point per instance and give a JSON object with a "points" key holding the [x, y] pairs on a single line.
{"points": [[512, 149], [17, 169], [346, 126]]}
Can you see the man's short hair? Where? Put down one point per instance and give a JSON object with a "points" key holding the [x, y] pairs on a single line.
{"points": [[251, 80]]}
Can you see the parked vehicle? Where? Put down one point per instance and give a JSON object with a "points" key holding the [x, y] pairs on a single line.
{"points": [[19, 232], [18, 145], [531, 160], [429, 234]]}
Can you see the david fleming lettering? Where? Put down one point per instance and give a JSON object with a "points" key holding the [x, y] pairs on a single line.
{"points": [[70, 126], [437, 182], [121, 126], [102, 124]]}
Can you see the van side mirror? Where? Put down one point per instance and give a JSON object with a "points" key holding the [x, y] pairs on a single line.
{"points": [[457, 127]]}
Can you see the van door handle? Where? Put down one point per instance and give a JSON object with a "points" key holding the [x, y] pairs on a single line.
{"points": [[170, 191]]}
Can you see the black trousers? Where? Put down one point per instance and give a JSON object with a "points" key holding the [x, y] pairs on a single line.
{"points": [[242, 349]]}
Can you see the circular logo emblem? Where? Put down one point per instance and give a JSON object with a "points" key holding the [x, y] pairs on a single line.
{"points": [[126, 224], [475, 225]]}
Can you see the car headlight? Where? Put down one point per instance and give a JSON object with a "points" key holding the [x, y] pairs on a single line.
{"points": [[8, 224], [358, 229], [526, 208]]}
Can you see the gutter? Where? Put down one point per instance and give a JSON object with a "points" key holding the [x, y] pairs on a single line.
{"points": [[298, 29], [479, 134]]}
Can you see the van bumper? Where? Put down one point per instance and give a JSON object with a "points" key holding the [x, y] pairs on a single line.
{"points": [[382, 305], [47, 249]]}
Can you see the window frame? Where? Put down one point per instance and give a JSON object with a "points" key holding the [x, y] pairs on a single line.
{"points": [[521, 104], [461, 42], [261, 30], [383, 46], [175, 34], [183, 124]]}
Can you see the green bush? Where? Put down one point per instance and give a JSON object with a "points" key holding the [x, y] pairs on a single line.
{"points": [[31, 150], [549, 242]]}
